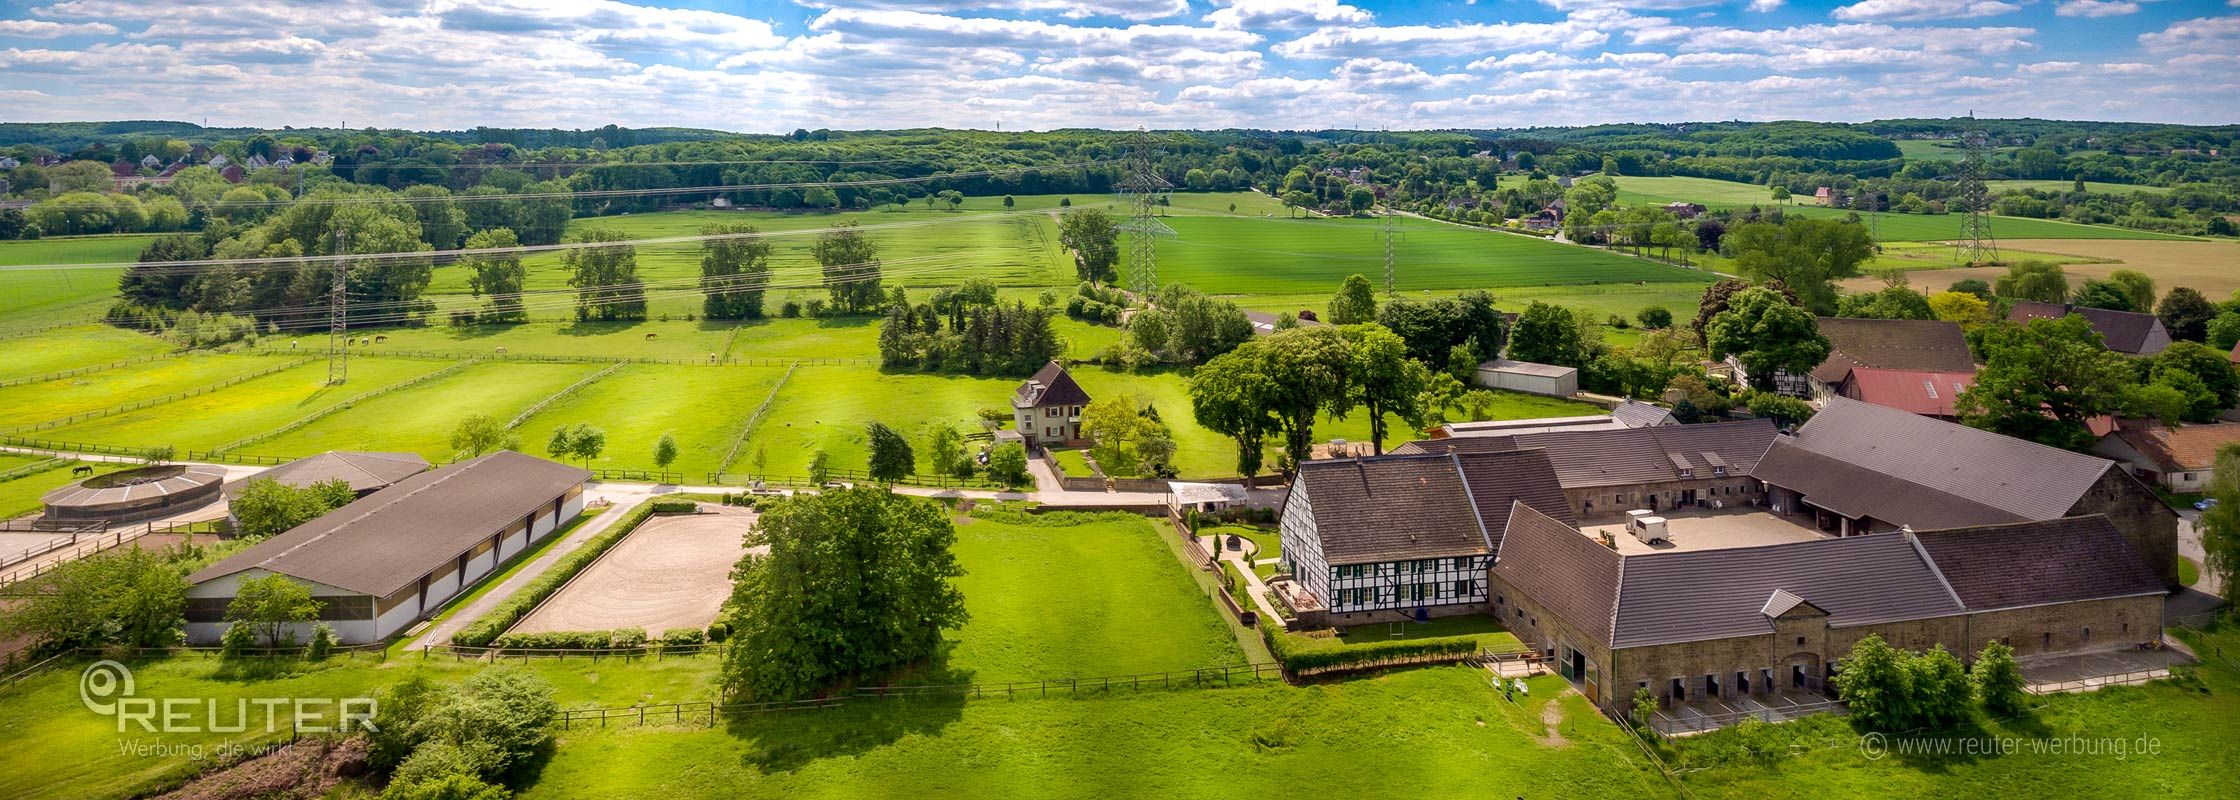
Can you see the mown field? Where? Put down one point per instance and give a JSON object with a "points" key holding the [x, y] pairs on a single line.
{"points": [[420, 419], [33, 403], [1891, 227], [251, 408], [50, 351], [702, 407], [29, 297]]}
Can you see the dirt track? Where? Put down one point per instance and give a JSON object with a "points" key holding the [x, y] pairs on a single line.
{"points": [[672, 572]]}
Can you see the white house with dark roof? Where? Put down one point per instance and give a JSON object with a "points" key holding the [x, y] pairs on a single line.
{"points": [[1046, 410], [381, 563]]}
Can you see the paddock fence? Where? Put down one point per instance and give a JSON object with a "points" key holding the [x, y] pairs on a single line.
{"points": [[72, 373], [152, 402]]}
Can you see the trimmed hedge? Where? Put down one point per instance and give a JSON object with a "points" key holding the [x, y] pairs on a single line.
{"points": [[674, 507], [494, 624], [617, 639], [1300, 653]]}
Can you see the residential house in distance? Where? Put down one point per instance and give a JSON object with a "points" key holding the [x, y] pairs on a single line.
{"points": [[1046, 410], [1684, 210], [2122, 331], [1405, 536], [381, 563], [1930, 394], [9, 162], [2180, 459], [1900, 344], [1264, 323]]}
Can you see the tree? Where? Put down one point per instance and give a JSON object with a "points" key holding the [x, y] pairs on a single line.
{"points": [[1654, 317], [1968, 310], [1998, 681], [498, 276], [442, 223], [130, 596], [1094, 238], [1972, 286], [945, 449], [2041, 281], [2220, 524], [1780, 408], [606, 277], [265, 507], [2186, 314], [734, 272], [481, 433], [1805, 254], [2224, 331], [1768, 335], [1876, 686], [1781, 194], [269, 606], [2042, 380], [1008, 202], [891, 459], [2137, 288], [1355, 303], [1295, 374], [665, 452], [1359, 199], [1892, 302], [1116, 422], [1717, 296], [2103, 294], [1942, 693], [1384, 381], [581, 441], [2212, 371], [1550, 334], [1007, 464], [80, 176], [820, 467], [851, 268], [854, 583]]}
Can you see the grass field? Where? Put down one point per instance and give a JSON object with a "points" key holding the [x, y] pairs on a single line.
{"points": [[703, 407], [826, 407], [676, 339], [21, 496], [51, 351], [258, 406], [32, 296], [1658, 190], [1286, 256], [2063, 187], [93, 391], [1891, 227], [2206, 266], [420, 419], [1078, 595]]}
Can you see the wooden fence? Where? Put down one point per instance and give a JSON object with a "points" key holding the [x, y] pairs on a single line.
{"points": [[523, 417], [82, 448], [152, 402], [340, 407], [847, 476], [107, 540], [70, 534], [755, 419], [33, 468], [71, 373]]}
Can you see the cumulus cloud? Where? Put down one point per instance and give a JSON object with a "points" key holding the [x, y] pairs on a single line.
{"points": [[1070, 9], [42, 29], [1575, 32], [1922, 10], [1285, 15], [2095, 8]]}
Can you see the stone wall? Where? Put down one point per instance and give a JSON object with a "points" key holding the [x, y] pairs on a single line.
{"points": [[2149, 525], [1548, 633], [1612, 502]]}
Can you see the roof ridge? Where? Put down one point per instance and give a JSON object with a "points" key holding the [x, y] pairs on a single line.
{"points": [[1923, 554], [435, 478]]}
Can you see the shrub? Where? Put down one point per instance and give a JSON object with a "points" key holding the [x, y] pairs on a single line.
{"points": [[626, 638], [683, 638], [505, 614], [322, 641], [434, 763], [674, 506], [237, 641], [719, 630], [791, 310], [1301, 653]]}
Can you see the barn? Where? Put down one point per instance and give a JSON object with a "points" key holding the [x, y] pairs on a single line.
{"points": [[1525, 376]]}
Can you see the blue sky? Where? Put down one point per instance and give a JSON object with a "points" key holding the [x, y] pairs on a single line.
{"points": [[1040, 64]]}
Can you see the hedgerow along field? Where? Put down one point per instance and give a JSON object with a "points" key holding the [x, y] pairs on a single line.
{"points": [[32, 296], [1891, 227]]}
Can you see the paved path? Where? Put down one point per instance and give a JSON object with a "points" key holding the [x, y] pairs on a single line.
{"points": [[440, 633], [1253, 586]]}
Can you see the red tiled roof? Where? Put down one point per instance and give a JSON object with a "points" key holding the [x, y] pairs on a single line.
{"points": [[1918, 391], [2188, 447]]}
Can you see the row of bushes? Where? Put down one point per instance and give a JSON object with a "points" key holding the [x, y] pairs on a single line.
{"points": [[740, 499], [668, 505], [617, 639], [492, 625], [1301, 653]]}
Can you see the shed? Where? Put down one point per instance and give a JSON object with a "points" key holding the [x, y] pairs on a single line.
{"points": [[1205, 497], [1525, 376]]}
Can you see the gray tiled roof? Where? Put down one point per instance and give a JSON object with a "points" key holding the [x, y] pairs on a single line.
{"points": [[2022, 478], [364, 471], [1458, 444], [2122, 331], [2035, 563], [1917, 344], [1644, 455], [1858, 492], [1697, 595], [1394, 507], [387, 540], [1637, 414], [1499, 480], [1572, 576]]}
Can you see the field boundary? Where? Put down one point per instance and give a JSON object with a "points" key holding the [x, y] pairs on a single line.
{"points": [[157, 401], [755, 420], [34, 468], [76, 371], [563, 394], [81, 448], [547, 358], [338, 407]]}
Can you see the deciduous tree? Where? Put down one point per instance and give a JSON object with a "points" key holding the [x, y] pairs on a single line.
{"points": [[851, 268], [1356, 302], [1761, 329], [270, 606], [2042, 380], [734, 272]]}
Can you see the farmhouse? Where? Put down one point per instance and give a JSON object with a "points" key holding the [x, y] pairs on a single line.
{"points": [[1524, 376], [2122, 331], [2181, 459], [1406, 535], [1606, 472], [1924, 392], [390, 558], [1046, 409], [1861, 468], [1706, 624]]}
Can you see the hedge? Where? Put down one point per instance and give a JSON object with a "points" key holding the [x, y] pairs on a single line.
{"points": [[1299, 653], [494, 624], [618, 639], [667, 506]]}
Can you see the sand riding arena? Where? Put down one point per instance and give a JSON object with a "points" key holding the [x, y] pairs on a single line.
{"points": [[672, 572]]}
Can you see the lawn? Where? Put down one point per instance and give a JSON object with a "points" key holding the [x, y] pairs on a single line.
{"points": [[826, 407], [42, 295], [250, 408], [1488, 631], [51, 400], [703, 407], [1074, 462], [1893, 227], [675, 339], [60, 349], [420, 419], [1078, 595], [1439, 732], [1240, 255], [21, 496]]}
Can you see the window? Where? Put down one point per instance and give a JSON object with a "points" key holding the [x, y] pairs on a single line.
{"points": [[1415, 592], [1465, 588], [2088, 633], [1931, 388]]}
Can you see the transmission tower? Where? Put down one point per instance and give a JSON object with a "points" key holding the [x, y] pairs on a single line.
{"points": [[338, 316], [1141, 188], [1391, 230], [1976, 244]]}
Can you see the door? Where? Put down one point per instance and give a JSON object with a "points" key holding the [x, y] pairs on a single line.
{"points": [[1687, 497], [1796, 676], [1578, 666]]}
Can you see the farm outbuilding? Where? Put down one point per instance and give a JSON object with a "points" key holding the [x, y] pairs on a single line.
{"points": [[380, 564], [136, 494], [1525, 376]]}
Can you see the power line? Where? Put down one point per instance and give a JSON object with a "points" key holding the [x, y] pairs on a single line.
{"points": [[338, 326], [1142, 188]]}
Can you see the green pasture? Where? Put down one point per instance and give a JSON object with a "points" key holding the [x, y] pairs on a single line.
{"points": [[1230, 255], [674, 339], [420, 419], [60, 349], [1659, 190], [826, 407], [32, 296], [1076, 595], [702, 407], [109, 388], [2063, 187], [250, 408], [21, 496], [1434, 732]]}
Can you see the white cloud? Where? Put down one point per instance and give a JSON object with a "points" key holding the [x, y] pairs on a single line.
{"points": [[1922, 10], [1537, 59], [2095, 8], [1070, 9], [935, 30], [1284, 15], [1575, 32], [2220, 34], [1764, 6], [2048, 68], [42, 29]]}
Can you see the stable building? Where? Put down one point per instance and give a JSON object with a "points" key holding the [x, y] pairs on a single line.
{"points": [[381, 563], [1606, 472], [1891, 344], [1524, 376], [365, 472]]}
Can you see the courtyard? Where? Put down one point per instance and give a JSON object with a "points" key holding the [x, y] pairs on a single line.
{"points": [[1710, 529]]}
